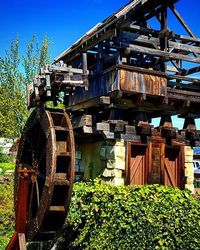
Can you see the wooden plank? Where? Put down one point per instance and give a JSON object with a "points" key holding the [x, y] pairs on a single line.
{"points": [[131, 37], [84, 120], [57, 209], [183, 92], [65, 69], [155, 33], [61, 147], [60, 179], [185, 72], [134, 166], [141, 70], [169, 171], [176, 96], [22, 241], [87, 130], [166, 55], [183, 78], [94, 102], [85, 71], [83, 46]]}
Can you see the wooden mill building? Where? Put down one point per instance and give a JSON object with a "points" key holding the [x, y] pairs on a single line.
{"points": [[114, 80]]}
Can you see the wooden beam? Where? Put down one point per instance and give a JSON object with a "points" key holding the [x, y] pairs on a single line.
{"points": [[91, 103], [85, 69], [166, 55], [141, 70], [164, 39], [176, 13], [183, 78], [132, 37], [66, 69], [156, 33], [84, 120], [185, 72]]}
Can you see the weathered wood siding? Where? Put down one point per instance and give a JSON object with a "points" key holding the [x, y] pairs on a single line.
{"points": [[120, 79], [98, 86], [142, 83]]}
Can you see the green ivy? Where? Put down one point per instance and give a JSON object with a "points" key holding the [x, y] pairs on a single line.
{"points": [[130, 217]]}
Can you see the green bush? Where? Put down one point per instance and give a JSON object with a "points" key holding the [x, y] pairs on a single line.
{"points": [[7, 166], [131, 217], [6, 214], [5, 157]]}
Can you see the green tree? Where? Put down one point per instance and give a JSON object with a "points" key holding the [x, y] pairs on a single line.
{"points": [[16, 72]]}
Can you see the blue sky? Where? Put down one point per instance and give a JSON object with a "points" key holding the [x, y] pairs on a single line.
{"points": [[64, 21]]}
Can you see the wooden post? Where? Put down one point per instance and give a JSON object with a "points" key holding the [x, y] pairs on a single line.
{"points": [[18, 241], [85, 68], [164, 39]]}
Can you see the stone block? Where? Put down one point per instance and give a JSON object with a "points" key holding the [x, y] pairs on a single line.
{"points": [[111, 164], [130, 129], [188, 150], [118, 173], [120, 163], [119, 142], [108, 135], [190, 181], [108, 172], [188, 158], [102, 153], [119, 151], [110, 153], [190, 187], [189, 170], [118, 181], [103, 126]]}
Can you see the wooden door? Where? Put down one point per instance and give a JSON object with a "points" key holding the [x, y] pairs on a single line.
{"points": [[137, 163], [156, 163], [174, 167]]}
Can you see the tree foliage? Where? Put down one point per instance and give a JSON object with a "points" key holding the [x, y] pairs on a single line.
{"points": [[16, 71]]}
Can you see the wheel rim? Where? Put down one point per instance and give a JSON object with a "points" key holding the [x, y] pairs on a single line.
{"points": [[47, 146]]}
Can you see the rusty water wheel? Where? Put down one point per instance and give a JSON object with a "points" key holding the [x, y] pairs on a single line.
{"points": [[47, 146]]}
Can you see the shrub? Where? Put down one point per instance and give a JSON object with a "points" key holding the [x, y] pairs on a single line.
{"points": [[6, 214], [7, 166], [131, 217], [5, 157]]}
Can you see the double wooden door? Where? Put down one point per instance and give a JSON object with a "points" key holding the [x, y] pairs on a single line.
{"points": [[155, 163]]}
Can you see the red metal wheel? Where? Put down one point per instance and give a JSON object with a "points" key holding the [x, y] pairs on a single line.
{"points": [[47, 151]]}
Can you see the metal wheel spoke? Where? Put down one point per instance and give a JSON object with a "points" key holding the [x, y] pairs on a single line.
{"points": [[38, 142], [37, 193], [40, 175], [39, 161], [31, 199]]}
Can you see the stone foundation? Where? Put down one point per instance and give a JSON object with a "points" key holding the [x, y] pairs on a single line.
{"points": [[189, 169]]}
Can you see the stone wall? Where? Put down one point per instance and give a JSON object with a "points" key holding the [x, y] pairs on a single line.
{"points": [[114, 156], [189, 169], [105, 159]]}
